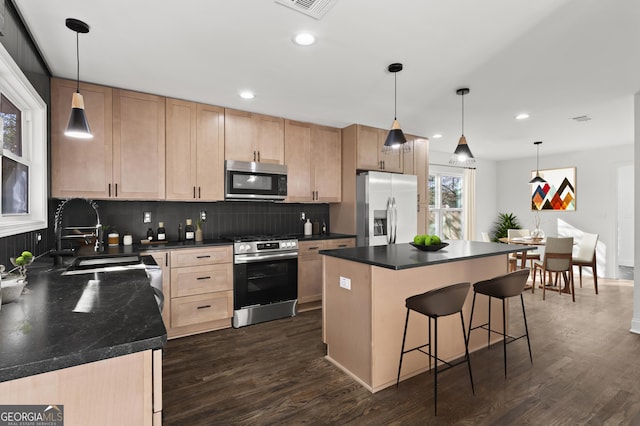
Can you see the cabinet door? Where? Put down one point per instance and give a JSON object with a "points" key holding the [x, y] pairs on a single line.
{"points": [[415, 163], [309, 271], [298, 159], [192, 280], [210, 153], [270, 138], [326, 163], [423, 214], [340, 243], [138, 145], [239, 136], [367, 149], [390, 162], [408, 167], [181, 150], [81, 167], [201, 308]]}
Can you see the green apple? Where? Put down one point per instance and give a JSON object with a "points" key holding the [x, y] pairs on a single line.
{"points": [[418, 240], [20, 261], [435, 239], [27, 255], [427, 240]]}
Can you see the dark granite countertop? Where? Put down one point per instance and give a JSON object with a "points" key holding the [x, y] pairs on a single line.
{"points": [[404, 256], [331, 236], [63, 321]]}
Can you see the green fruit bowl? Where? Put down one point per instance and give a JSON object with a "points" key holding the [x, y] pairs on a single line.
{"points": [[432, 247]]}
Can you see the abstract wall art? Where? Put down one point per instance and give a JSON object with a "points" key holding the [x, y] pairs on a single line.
{"points": [[557, 193]]}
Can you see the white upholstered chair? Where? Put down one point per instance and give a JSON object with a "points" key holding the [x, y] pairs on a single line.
{"points": [[586, 256], [521, 233]]}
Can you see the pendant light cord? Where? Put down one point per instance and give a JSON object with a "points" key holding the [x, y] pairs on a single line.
{"points": [[395, 96], [77, 62], [462, 115]]}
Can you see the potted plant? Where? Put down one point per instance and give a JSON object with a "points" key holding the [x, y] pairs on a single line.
{"points": [[501, 226]]}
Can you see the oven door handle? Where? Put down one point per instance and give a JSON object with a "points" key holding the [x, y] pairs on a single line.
{"points": [[252, 258]]}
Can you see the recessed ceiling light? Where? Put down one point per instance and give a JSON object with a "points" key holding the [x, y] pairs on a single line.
{"points": [[522, 116], [437, 136], [246, 94], [304, 39]]}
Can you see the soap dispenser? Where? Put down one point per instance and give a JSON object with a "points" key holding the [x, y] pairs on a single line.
{"points": [[308, 227]]}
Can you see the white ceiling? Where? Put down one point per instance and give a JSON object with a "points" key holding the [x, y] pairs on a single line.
{"points": [[555, 59]]}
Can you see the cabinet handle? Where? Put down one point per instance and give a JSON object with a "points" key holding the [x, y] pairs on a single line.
{"points": [[116, 189], [204, 307], [254, 156], [314, 248], [418, 198], [258, 156], [203, 278], [166, 259], [199, 192], [383, 164], [203, 257], [109, 190], [194, 192], [341, 245]]}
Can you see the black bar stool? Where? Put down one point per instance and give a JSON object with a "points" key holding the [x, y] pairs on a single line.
{"points": [[502, 287], [436, 303]]}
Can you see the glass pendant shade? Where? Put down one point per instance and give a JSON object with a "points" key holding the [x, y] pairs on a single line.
{"points": [[78, 126], [462, 155], [396, 142], [537, 178]]}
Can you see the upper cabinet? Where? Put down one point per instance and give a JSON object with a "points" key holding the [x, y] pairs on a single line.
{"points": [[253, 137], [81, 167], [138, 145], [415, 163], [313, 159], [125, 157], [194, 151], [369, 156]]}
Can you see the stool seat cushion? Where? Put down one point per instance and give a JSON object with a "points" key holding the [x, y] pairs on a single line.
{"points": [[441, 301], [508, 285]]}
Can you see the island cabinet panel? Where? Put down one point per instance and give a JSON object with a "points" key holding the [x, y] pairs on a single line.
{"points": [[81, 167], [114, 391], [194, 151], [201, 295], [253, 137], [138, 145], [363, 326], [312, 156]]}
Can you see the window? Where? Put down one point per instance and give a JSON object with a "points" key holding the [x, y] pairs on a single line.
{"points": [[446, 210], [23, 153]]}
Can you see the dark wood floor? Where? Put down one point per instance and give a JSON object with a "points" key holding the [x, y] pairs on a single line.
{"points": [[586, 370]]}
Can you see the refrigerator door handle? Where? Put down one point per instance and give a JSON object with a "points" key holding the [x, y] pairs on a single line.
{"points": [[389, 220], [395, 220]]}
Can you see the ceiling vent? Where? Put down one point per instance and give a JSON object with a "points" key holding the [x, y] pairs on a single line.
{"points": [[581, 118], [314, 8]]}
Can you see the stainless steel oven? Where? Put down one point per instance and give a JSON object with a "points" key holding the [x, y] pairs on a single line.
{"points": [[255, 181], [265, 279]]}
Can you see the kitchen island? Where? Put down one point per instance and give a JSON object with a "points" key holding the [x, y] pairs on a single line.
{"points": [[91, 343], [364, 292]]}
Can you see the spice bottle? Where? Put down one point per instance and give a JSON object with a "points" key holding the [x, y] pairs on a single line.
{"points": [[150, 235], [162, 233], [189, 232]]}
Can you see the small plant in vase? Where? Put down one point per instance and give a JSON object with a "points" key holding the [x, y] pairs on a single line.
{"points": [[21, 262], [198, 235], [537, 233]]}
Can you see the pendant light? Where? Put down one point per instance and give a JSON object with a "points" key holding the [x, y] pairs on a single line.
{"points": [[396, 142], [537, 178], [78, 126], [462, 155]]}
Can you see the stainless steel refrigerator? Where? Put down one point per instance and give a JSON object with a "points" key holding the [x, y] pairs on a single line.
{"points": [[387, 208]]}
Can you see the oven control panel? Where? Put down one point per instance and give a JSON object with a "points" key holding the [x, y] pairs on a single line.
{"points": [[265, 246]]}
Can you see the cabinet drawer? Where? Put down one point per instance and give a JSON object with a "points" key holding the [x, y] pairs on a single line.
{"points": [[202, 308], [310, 247], [193, 280], [340, 243], [199, 257]]}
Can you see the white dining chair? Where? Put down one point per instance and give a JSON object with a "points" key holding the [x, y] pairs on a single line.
{"points": [[522, 233], [586, 256], [557, 258]]}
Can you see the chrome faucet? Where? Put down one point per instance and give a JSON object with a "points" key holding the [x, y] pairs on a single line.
{"points": [[58, 227]]}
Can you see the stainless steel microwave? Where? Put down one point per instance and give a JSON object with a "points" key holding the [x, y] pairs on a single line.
{"points": [[248, 181]]}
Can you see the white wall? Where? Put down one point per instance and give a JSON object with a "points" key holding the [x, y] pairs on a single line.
{"points": [[635, 321], [486, 212], [596, 195]]}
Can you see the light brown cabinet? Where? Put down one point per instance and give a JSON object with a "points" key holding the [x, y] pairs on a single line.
{"points": [[81, 167], [194, 151], [124, 159], [313, 159], [415, 163], [310, 269], [369, 142], [201, 290], [253, 137], [138, 146]]}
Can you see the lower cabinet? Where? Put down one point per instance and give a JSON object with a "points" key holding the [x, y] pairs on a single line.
{"points": [[125, 390], [198, 289], [310, 270]]}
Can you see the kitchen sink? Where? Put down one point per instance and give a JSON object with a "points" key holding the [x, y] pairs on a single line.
{"points": [[87, 265]]}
